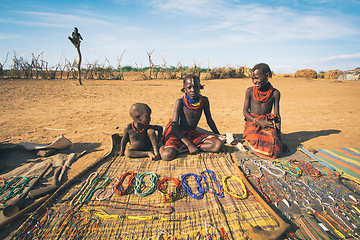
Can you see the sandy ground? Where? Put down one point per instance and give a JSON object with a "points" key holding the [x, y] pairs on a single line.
{"points": [[322, 113]]}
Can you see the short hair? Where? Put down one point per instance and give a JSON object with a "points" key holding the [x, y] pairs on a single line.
{"points": [[139, 108], [191, 76], [264, 68]]}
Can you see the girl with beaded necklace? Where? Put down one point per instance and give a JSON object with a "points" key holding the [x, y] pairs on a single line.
{"points": [[262, 127]]}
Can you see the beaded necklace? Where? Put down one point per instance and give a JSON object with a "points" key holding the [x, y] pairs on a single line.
{"points": [[17, 188], [306, 167], [269, 166], [271, 189], [139, 184], [199, 188], [193, 103], [267, 93], [89, 193], [141, 207], [102, 214], [121, 180], [84, 189], [343, 222], [112, 190], [234, 195], [162, 186], [258, 185], [220, 194], [287, 166], [134, 128]]}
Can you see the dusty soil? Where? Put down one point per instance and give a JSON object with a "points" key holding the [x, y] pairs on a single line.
{"points": [[322, 113]]}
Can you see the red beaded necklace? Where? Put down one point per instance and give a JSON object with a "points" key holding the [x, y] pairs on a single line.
{"points": [[133, 127], [267, 94]]}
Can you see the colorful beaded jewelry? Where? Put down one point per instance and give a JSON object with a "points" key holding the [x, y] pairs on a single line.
{"points": [[199, 188], [139, 183], [162, 186], [137, 131], [220, 194], [120, 182], [234, 195]]}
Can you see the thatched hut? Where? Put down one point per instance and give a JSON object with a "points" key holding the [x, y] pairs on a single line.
{"points": [[350, 75], [305, 73], [332, 74]]}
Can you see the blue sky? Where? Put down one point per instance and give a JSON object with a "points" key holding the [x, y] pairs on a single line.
{"points": [[287, 34]]}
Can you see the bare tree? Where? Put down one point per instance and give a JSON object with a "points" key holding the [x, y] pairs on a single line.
{"points": [[2, 66], [151, 64], [121, 76]]}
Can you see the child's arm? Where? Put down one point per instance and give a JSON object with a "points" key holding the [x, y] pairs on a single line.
{"points": [[208, 116], [246, 108], [277, 109], [124, 140], [174, 128], [160, 133]]}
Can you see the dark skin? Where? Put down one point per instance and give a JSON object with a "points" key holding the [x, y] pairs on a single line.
{"points": [[251, 105], [143, 141], [189, 119]]}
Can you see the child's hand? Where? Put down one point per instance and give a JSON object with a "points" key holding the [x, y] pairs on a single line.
{"points": [[265, 124], [193, 149]]}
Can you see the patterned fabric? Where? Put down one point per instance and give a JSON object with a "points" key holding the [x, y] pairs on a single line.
{"points": [[171, 140], [345, 160], [264, 143]]}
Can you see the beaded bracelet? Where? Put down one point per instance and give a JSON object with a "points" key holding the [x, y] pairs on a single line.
{"points": [[234, 195], [216, 181], [162, 186], [199, 188], [139, 183], [121, 180]]}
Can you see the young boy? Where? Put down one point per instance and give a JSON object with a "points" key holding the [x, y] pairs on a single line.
{"points": [[263, 128], [180, 134], [141, 135]]}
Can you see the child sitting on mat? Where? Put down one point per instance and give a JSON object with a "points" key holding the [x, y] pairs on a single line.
{"points": [[262, 127], [180, 134], [141, 136]]}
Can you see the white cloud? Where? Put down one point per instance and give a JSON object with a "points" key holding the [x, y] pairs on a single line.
{"points": [[52, 19]]}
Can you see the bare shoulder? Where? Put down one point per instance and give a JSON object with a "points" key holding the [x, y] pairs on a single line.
{"points": [[276, 92], [128, 126]]}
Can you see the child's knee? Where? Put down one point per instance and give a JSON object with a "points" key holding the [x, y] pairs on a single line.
{"points": [[218, 145], [168, 154]]}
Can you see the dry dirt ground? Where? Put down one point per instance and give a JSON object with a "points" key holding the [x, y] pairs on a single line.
{"points": [[322, 113]]}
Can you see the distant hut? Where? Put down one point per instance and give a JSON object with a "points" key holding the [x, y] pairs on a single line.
{"points": [[305, 73], [350, 75], [332, 74]]}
